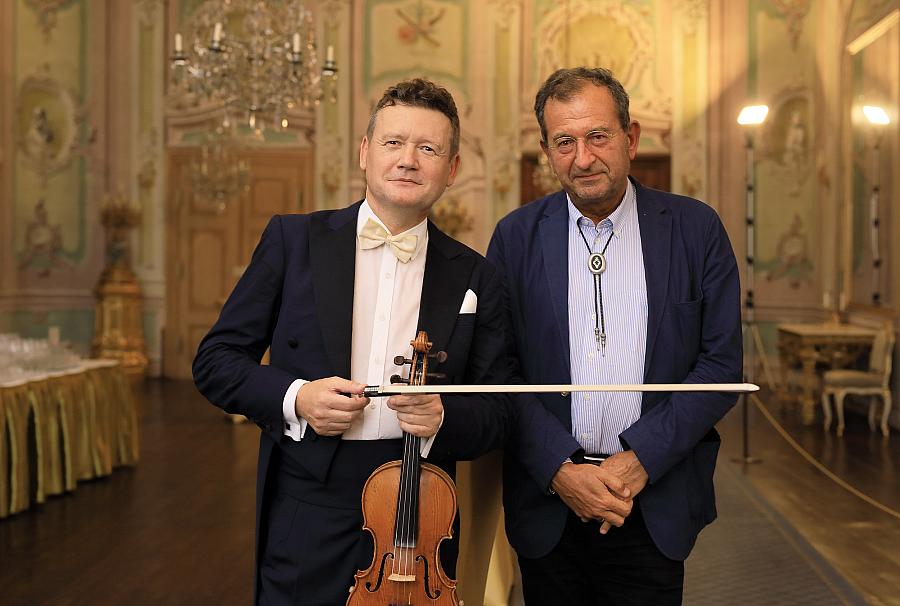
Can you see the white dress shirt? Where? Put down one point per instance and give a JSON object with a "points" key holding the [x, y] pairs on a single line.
{"points": [[386, 297], [599, 417]]}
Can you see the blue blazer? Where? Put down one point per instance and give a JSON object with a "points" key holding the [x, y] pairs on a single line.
{"points": [[296, 298], [693, 336]]}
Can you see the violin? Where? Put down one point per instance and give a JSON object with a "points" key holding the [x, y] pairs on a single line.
{"points": [[408, 507]]}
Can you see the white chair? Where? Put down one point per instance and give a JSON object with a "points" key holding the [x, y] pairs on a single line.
{"points": [[873, 383]]}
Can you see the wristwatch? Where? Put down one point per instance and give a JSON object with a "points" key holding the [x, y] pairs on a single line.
{"points": [[550, 488]]}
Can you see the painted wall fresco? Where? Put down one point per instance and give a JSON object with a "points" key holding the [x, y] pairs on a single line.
{"points": [[50, 245], [49, 192], [782, 73]]}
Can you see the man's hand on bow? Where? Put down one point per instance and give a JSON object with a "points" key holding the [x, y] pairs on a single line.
{"points": [[419, 414], [327, 407]]}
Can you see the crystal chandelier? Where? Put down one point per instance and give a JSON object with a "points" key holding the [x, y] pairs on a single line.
{"points": [[218, 174], [257, 59]]}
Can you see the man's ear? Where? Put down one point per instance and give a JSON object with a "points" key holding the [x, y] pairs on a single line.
{"points": [[634, 137], [454, 167], [363, 150]]}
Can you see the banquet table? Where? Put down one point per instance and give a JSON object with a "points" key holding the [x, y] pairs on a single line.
{"points": [[59, 428]]}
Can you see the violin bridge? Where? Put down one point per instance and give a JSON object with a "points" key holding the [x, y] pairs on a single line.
{"points": [[402, 578]]}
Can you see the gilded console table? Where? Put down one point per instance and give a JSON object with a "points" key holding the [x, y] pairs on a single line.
{"points": [[826, 344]]}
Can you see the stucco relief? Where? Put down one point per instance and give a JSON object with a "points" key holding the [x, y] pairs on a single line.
{"points": [[332, 10], [693, 152], [332, 173], [613, 35], [46, 13], [505, 11], [506, 164], [788, 139], [42, 250], [146, 177], [794, 13], [694, 13], [414, 36], [451, 216], [47, 124], [791, 261]]}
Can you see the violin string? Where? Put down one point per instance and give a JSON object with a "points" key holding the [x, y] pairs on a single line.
{"points": [[404, 485], [410, 482]]}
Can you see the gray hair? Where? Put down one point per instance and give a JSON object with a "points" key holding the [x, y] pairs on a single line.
{"points": [[563, 84]]}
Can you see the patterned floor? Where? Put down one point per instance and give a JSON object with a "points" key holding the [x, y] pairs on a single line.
{"points": [[751, 557]]}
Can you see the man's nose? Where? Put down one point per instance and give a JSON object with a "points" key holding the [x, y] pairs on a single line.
{"points": [[584, 157], [408, 157]]}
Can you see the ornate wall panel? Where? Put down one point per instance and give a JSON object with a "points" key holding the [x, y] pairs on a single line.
{"points": [[48, 158]]}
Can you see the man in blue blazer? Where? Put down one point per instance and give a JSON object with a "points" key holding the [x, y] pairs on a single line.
{"points": [[612, 282], [336, 295]]}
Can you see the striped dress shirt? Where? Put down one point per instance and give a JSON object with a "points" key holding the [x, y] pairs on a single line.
{"points": [[598, 417]]}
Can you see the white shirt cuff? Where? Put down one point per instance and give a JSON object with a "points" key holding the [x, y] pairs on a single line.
{"points": [[294, 426]]}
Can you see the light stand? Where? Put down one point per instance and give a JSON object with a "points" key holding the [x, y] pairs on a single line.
{"points": [[750, 117], [878, 118]]}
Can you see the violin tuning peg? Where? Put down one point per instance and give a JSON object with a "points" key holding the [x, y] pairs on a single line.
{"points": [[440, 357], [398, 379], [400, 360]]}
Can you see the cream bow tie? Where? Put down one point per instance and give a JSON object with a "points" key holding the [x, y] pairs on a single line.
{"points": [[374, 235]]}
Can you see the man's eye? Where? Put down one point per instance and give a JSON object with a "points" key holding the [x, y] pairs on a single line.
{"points": [[564, 144], [392, 143], [428, 149], [598, 139]]}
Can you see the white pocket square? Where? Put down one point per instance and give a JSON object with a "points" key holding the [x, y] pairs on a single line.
{"points": [[470, 302]]}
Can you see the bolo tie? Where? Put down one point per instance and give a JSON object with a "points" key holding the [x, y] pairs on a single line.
{"points": [[597, 265]]}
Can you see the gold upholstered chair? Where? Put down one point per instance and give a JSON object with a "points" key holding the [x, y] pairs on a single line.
{"points": [[874, 382]]}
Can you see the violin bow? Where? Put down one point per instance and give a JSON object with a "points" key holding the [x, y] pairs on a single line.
{"points": [[374, 391]]}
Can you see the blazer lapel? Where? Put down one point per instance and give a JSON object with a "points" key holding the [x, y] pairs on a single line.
{"points": [[443, 288], [656, 238], [555, 247], [332, 253]]}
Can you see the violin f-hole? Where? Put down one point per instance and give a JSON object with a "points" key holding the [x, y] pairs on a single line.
{"points": [[384, 558], [432, 596]]}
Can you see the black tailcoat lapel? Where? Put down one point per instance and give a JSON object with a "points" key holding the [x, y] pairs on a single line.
{"points": [[332, 253], [443, 287]]}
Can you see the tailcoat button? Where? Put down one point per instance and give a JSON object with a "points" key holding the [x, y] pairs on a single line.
{"points": [[292, 343]]}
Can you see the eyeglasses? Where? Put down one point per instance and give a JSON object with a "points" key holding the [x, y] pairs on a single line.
{"points": [[596, 141]]}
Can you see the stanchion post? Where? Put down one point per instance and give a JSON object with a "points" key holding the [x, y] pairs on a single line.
{"points": [[750, 117]]}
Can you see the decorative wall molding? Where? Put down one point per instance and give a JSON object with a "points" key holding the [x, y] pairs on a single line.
{"points": [[47, 124], [787, 137], [629, 54], [506, 164], [332, 11], [694, 13], [332, 174], [146, 176], [505, 12], [794, 12], [46, 13]]}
